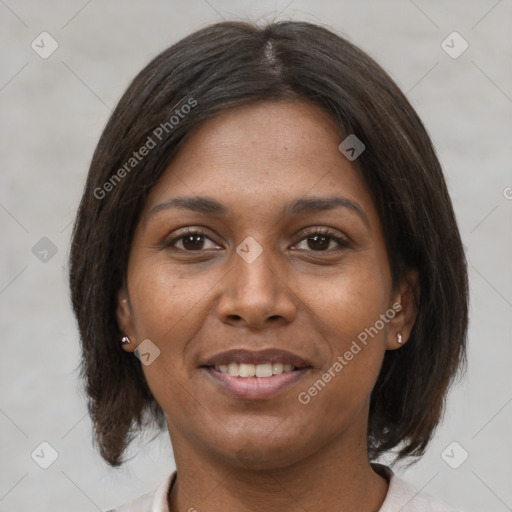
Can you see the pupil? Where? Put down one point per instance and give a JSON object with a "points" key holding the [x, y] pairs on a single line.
{"points": [[324, 238], [196, 242]]}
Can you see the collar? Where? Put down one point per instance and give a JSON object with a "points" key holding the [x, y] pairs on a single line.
{"points": [[400, 496]]}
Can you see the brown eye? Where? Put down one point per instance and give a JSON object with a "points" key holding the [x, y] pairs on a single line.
{"points": [[320, 240], [191, 241]]}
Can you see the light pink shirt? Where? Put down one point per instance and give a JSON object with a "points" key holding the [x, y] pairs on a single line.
{"points": [[401, 497]]}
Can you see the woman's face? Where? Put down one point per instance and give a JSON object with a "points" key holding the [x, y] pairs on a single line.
{"points": [[288, 277]]}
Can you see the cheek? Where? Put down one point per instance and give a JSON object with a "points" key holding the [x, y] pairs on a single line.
{"points": [[350, 312], [169, 309], [350, 300], [164, 299], [165, 307]]}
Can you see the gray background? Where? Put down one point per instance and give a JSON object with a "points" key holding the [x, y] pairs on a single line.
{"points": [[52, 113]]}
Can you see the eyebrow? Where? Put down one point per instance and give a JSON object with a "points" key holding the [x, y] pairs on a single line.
{"points": [[302, 205]]}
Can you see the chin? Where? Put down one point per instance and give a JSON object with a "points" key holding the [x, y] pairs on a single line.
{"points": [[263, 451]]}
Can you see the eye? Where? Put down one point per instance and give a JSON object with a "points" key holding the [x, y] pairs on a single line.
{"points": [[191, 239], [194, 240], [321, 239]]}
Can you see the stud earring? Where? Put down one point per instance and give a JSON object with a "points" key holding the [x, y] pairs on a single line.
{"points": [[125, 339], [399, 337]]}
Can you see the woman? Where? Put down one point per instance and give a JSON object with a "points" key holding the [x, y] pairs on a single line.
{"points": [[266, 227]]}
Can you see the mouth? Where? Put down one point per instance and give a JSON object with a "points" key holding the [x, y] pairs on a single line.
{"points": [[255, 375], [263, 370]]}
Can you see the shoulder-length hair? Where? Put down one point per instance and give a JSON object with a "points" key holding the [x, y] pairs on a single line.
{"points": [[223, 66]]}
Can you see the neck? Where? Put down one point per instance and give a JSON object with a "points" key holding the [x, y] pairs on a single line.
{"points": [[336, 477]]}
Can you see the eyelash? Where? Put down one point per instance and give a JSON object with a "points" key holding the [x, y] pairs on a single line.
{"points": [[319, 231]]}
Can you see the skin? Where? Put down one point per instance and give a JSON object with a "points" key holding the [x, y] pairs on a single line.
{"points": [[298, 295]]}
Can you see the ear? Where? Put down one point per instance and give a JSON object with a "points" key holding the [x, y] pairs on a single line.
{"points": [[405, 302], [124, 315]]}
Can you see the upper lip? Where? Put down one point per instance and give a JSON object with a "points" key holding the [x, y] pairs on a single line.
{"points": [[245, 356]]}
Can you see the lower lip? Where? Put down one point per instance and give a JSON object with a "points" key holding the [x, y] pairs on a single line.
{"points": [[254, 388]]}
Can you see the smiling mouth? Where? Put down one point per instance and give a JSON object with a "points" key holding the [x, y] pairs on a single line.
{"points": [[263, 381], [245, 370], [255, 374]]}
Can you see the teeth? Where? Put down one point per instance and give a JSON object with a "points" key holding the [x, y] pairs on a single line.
{"points": [[247, 370], [233, 369], [254, 370], [263, 370], [277, 368]]}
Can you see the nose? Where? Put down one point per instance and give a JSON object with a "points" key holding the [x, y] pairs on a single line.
{"points": [[256, 294]]}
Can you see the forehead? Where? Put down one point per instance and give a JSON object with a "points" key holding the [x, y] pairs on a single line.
{"points": [[259, 156]]}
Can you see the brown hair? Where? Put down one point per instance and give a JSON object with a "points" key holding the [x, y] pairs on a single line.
{"points": [[223, 66]]}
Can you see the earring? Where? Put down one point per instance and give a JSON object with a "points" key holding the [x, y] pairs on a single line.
{"points": [[125, 339], [399, 337]]}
